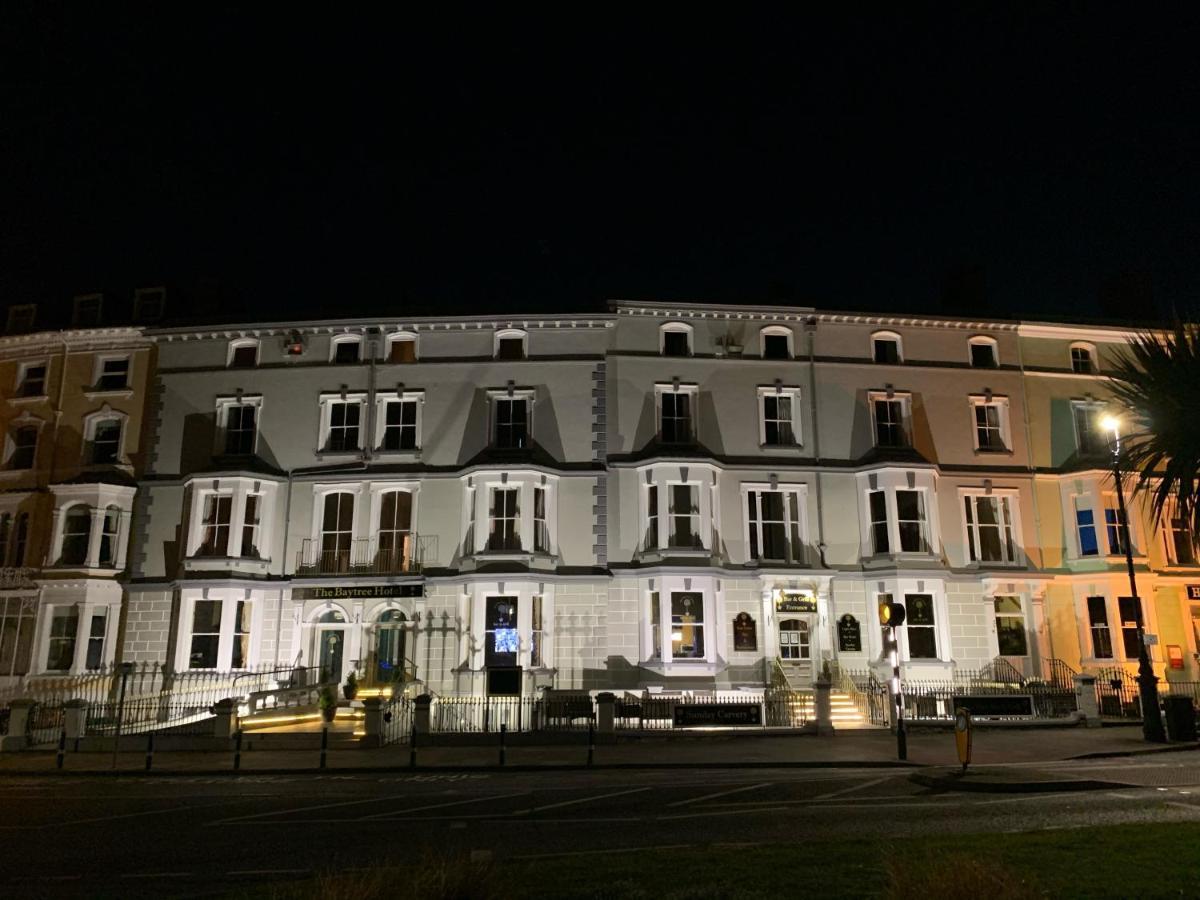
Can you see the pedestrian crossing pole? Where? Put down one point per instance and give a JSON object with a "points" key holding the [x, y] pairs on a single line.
{"points": [[891, 616]]}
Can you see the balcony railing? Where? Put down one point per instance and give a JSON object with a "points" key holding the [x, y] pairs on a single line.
{"points": [[365, 556]]}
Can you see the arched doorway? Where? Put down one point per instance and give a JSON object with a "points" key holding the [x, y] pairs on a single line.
{"points": [[391, 647], [330, 645], [794, 642]]}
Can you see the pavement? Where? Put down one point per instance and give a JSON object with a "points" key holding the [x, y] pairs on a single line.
{"points": [[845, 749]]}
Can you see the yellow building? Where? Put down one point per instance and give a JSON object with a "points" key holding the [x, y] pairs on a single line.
{"points": [[73, 429]]}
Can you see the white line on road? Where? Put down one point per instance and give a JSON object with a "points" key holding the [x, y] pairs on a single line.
{"points": [[525, 812], [157, 875], [134, 815], [268, 872], [300, 809], [601, 852], [854, 787], [737, 790], [728, 812], [400, 812]]}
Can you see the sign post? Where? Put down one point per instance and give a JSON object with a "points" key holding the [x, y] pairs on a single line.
{"points": [[962, 736]]}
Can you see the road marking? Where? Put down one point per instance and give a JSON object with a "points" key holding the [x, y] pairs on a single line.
{"points": [[852, 788], [300, 809], [148, 812], [157, 875], [601, 852], [268, 872], [728, 812], [396, 813], [525, 812], [738, 790]]}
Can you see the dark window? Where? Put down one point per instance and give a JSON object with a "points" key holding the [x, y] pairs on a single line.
{"points": [[24, 447], [685, 516], [63, 629], [400, 425], [1130, 610], [1010, 627], [1181, 543], [777, 420], [652, 517], [1089, 435], [676, 425], [245, 356], [1098, 623], [403, 350], [337, 532], [21, 318], [218, 508], [87, 312], [106, 442], [206, 634], [343, 426], [512, 423], [775, 346], [889, 424], [910, 520], [346, 352], [879, 521], [148, 304], [983, 356], [95, 647], [677, 343], [5, 535], [21, 539], [110, 529], [240, 429], [887, 350], [1117, 529], [505, 520], [33, 383], [250, 526], [919, 622], [510, 348], [114, 375], [77, 531], [1081, 361]]}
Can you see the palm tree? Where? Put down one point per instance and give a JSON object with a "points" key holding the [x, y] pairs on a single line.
{"points": [[1157, 381]]}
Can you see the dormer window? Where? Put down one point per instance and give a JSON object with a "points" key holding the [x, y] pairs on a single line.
{"points": [[511, 419], [510, 344], [402, 348], [675, 339], [21, 318], [776, 342], [983, 353], [86, 313], [243, 353], [676, 413], [1083, 359], [347, 349], [31, 380], [890, 415], [148, 304], [885, 348]]}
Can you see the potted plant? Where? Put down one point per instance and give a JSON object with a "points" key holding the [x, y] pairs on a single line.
{"points": [[327, 703], [350, 688]]}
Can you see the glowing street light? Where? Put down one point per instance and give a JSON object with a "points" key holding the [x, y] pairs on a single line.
{"points": [[1152, 725]]}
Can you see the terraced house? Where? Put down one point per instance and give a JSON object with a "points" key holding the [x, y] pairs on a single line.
{"points": [[73, 447], [660, 497]]}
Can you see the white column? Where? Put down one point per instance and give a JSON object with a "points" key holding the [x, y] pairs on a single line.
{"points": [[83, 631], [525, 511], [123, 522], [97, 528], [55, 549], [237, 515]]}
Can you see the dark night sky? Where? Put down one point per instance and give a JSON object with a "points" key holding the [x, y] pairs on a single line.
{"points": [[275, 166]]}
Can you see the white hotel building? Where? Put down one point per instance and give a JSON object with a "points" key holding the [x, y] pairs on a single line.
{"points": [[660, 496]]}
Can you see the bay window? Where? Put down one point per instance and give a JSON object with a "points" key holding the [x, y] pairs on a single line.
{"points": [[684, 516], [64, 628], [910, 521], [215, 526], [775, 525], [504, 531], [1097, 609], [990, 526], [1011, 636]]}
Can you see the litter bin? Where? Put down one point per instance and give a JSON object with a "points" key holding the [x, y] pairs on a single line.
{"points": [[1181, 718]]}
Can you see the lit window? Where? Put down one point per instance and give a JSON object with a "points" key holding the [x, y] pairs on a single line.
{"points": [[1011, 637], [687, 625], [989, 522], [501, 639]]}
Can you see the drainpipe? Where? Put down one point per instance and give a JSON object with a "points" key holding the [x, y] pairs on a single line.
{"points": [[810, 328], [1037, 512], [372, 349], [287, 522]]}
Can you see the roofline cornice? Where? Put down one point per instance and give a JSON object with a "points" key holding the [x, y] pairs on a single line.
{"points": [[423, 324]]}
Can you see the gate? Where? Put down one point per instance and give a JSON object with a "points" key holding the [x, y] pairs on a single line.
{"points": [[1117, 694]]}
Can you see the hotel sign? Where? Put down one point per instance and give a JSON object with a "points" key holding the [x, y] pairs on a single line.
{"points": [[1193, 591], [795, 602], [699, 715], [358, 591]]}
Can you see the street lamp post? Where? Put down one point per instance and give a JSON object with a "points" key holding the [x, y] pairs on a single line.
{"points": [[1152, 724]]}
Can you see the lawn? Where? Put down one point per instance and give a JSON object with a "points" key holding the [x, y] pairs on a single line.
{"points": [[1108, 862]]}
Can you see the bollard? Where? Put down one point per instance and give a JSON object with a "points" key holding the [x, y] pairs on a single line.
{"points": [[149, 750], [412, 749], [503, 732], [62, 749], [591, 740], [324, 744], [237, 750]]}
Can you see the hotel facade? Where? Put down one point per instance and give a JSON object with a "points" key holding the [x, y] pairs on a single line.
{"points": [[663, 496]]}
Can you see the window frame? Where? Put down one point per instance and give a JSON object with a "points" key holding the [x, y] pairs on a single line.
{"points": [[683, 328], [148, 296], [895, 338], [797, 554], [1003, 425], [53, 613], [401, 337], [18, 426], [23, 367], [529, 396], [338, 340], [1093, 357], [1109, 503], [1008, 505], [77, 305], [382, 399], [1083, 503], [776, 331], [508, 334], [904, 399], [693, 390], [327, 401], [1092, 410], [91, 424], [1022, 614], [98, 373], [1171, 542], [793, 394], [227, 630], [981, 340], [243, 343], [223, 405]]}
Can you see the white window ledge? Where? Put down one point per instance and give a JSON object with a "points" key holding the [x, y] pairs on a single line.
{"points": [[32, 401], [225, 563], [338, 455], [123, 393], [679, 669], [397, 454]]}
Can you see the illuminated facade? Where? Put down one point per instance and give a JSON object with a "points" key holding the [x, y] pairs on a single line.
{"points": [[674, 496]]}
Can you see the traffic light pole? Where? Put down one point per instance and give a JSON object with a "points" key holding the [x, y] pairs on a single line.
{"points": [[901, 735]]}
